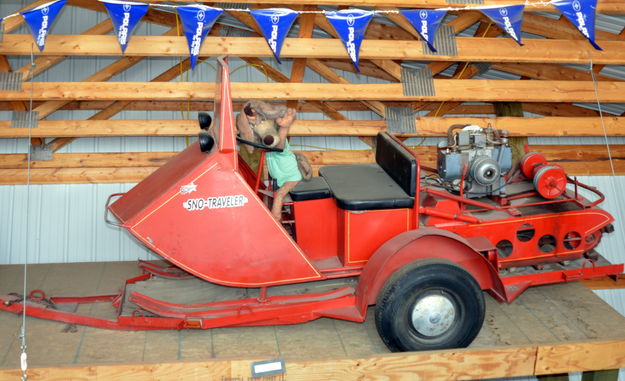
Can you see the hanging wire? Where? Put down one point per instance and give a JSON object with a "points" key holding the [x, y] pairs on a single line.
{"points": [[605, 133], [23, 347]]}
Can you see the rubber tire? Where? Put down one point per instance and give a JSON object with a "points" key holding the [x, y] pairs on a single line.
{"points": [[393, 315]]}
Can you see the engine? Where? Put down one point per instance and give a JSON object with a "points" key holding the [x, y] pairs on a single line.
{"points": [[482, 155]]}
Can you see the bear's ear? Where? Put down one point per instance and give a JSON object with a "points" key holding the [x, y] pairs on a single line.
{"points": [[245, 131], [267, 110]]}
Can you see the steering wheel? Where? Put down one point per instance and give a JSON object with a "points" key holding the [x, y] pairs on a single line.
{"points": [[258, 145]]}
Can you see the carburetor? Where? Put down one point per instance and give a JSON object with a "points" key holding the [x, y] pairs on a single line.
{"points": [[481, 155]]}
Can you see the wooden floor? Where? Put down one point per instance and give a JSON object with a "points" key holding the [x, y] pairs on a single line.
{"points": [[548, 314]]}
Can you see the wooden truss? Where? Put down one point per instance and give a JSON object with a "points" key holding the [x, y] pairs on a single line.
{"points": [[548, 86]]}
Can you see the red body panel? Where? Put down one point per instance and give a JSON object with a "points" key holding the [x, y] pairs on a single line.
{"points": [[362, 232], [316, 228], [185, 227]]}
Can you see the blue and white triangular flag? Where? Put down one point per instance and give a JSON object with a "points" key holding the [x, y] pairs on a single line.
{"points": [[40, 19], [197, 21], [351, 25], [275, 24], [582, 14], [425, 22], [508, 17], [125, 16]]}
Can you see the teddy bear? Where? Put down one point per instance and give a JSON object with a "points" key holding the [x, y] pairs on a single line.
{"points": [[269, 125]]}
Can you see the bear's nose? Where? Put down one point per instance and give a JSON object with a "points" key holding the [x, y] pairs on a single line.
{"points": [[268, 140]]}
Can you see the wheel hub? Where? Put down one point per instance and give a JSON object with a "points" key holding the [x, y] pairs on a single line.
{"points": [[432, 315]]}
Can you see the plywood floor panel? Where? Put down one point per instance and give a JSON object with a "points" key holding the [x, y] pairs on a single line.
{"points": [[547, 314]]}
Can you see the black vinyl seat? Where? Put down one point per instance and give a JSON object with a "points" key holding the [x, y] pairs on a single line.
{"points": [[364, 187], [314, 189], [389, 183]]}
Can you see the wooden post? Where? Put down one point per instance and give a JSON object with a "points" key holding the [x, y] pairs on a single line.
{"points": [[512, 109]]}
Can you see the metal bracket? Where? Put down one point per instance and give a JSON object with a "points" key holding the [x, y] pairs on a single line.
{"points": [[25, 119], [417, 82], [445, 42], [41, 152], [10, 81], [1, 31], [400, 119]]}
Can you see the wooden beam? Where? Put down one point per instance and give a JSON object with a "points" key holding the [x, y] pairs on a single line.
{"points": [[118, 167], [481, 363], [207, 105], [603, 6], [549, 72], [558, 109], [103, 128], [469, 48], [90, 160], [560, 29], [426, 126], [547, 109], [543, 126], [466, 90]]}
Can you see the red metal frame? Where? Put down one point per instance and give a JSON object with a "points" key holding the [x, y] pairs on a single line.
{"points": [[207, 214]]}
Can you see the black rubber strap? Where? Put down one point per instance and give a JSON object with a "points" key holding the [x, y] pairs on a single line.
{"points": [[258, 145]]}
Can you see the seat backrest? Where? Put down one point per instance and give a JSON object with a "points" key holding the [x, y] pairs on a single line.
{"points": [[397, 162]]}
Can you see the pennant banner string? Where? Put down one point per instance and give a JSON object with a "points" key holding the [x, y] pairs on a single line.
{"points": [[465, 8], [275, 23]]}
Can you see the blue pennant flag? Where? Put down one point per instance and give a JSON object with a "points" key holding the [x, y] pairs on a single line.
{"points": [[197, 21], [508, 17], [125, 16], [351, 25], [425, 22], [40, 20], [275, 24], [582, 14]]}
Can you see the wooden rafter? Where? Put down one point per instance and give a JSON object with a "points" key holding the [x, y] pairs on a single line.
{"points": [[46, 62], [474, 90], [331, 76], [298, 67]]}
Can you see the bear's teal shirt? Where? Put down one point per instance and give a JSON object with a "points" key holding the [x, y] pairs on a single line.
{"points": [[282, 166]]}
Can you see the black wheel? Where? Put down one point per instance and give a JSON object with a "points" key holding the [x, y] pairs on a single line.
{"points": [[429, 306]]}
